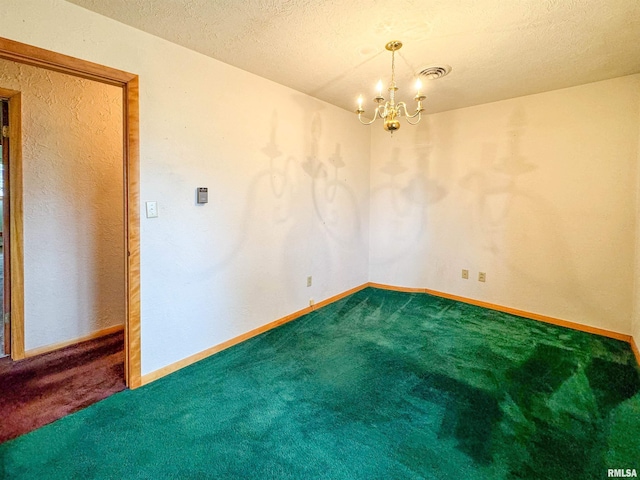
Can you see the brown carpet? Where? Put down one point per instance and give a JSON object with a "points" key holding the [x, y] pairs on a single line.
{"points": [[39, 390]]}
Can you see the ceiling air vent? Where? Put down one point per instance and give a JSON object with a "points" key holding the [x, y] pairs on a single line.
{"points": [[435, 71]]}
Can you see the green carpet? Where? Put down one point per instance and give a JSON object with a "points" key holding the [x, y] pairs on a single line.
{"points": [[380, 385]]}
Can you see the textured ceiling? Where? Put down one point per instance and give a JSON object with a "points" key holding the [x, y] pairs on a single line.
{"points": [[334, 49]]}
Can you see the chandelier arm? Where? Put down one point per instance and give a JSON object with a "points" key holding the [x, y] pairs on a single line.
{"points": [[401, 106], [419, 110], [418, 114], [375, 116]]}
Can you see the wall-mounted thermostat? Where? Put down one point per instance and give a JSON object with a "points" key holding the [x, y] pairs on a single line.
{"points": [[203, 194]]}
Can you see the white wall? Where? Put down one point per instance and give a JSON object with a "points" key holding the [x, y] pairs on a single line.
{"points": [[288, 180], [538, 192], [73, 206]]}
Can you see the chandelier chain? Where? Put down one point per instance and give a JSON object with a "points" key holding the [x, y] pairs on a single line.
{"points": [[393, 68], [392, 87]]}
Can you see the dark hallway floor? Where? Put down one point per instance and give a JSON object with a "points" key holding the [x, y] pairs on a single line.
{"points": [[39, 390]]}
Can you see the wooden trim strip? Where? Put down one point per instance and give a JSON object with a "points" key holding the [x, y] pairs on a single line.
{"points": [[16, 232], [512, 311], [27, 54], [534, 316], [396, 288], [131, 122], [335, 298], [164, 371], [185, 362], [634, 347], [57, 346], [7, 94]]}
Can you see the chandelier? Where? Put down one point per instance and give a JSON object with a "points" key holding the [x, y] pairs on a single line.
{"points": [[390, 111]]}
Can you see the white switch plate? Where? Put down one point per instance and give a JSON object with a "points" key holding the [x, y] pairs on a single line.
{"points": [[152, 209]]}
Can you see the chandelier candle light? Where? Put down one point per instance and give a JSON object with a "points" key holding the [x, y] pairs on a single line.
{"points": [[390, 111]]}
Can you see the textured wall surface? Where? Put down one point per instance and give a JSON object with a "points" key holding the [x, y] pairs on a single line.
{"points": [[538, 192], [288, 179], [73, 208]]}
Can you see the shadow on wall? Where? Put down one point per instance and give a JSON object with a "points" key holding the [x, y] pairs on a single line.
{"points": [[334, 202], [279, 176], [409, 189], [332, 231], [225, 239], [494, 183], [335, 205], [279, 172], [519, 227]]}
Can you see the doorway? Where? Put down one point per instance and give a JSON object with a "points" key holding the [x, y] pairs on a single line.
{"points": [[26, 54], [74, 256]]}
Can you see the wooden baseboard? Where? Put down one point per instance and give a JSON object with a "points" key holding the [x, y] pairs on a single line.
{"points": [[155, 375], [537, 316], [57, 346], [185, 362], [634, 347], [512, 311], [396, 288]]}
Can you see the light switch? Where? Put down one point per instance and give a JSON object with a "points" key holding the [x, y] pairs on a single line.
{"points": [[152, 209]]}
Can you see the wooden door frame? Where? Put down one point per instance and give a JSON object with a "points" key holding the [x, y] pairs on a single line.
{"points": [[27, 54], [5, 95]]}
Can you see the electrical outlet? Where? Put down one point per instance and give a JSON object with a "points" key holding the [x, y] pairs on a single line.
{"points": [[482, 277], [311, 302], [309, 281], [465, 274]]}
